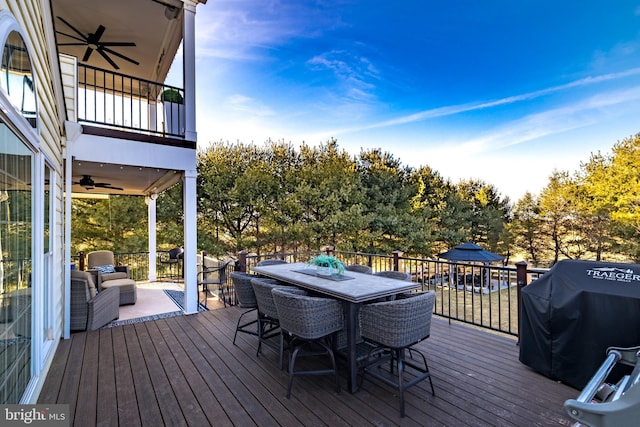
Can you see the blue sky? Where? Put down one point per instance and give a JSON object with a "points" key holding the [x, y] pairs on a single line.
{"points": [[502, 91]]}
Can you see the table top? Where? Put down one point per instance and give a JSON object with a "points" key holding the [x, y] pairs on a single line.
{"points": [[363, 287]]}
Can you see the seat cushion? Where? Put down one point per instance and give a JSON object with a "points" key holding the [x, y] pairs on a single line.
{"points": [[128, 292], [114, 276]]}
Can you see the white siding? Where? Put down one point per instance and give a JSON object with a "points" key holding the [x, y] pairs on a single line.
{"points": [[68, 69]]}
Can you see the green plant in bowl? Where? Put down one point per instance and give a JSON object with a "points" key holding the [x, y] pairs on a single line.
{"points": [[330, 262], [172, 95]]}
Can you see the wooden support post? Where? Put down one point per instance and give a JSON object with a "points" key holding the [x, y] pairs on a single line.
{"points": [[81, 260], [396, 260], [241, 264]]}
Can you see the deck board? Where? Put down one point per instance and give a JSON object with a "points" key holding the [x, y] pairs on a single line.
{"points": [[185, 370], [166, 399], [107, 404], [127, 414]]}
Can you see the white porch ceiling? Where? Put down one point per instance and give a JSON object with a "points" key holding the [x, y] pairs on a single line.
{"points": [[155, 26], [134, 180]]}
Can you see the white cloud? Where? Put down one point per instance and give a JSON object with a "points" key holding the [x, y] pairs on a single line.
{"points": [[247, 105], [247, 29]]}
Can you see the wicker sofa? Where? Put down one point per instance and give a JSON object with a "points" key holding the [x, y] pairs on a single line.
{"points": [[91, 310]]}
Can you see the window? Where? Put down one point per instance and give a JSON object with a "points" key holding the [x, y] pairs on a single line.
{"points": [[16, 232], [16, 76]]}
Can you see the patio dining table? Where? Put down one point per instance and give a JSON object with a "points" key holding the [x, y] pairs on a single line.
{"points": [[351, 287]]}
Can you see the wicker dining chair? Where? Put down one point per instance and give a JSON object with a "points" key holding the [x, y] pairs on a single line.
{"points": [[246, 300], [391, 274], [309, 323], [359, 268], [397, 326], [268, 320]]}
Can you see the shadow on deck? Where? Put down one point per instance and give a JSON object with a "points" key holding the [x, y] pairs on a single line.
{"points": [[186, 371]]}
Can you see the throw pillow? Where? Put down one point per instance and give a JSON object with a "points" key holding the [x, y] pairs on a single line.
{"points": [[105, 269]]}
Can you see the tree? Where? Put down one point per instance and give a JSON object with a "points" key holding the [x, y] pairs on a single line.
{"points": [[526, 227], [558, 214], [118, 223], [488, 212], [330, 194], [594, 205], [623, 193], [388, 191], [231, 189], [170, 218]]}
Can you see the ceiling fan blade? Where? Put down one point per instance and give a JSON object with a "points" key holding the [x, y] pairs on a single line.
{"points": [[107, 58], [117, 44], [73, 37], [107, 185], [87, 54], [99, 32], [126, 58], [72, 44], [84, 37]]}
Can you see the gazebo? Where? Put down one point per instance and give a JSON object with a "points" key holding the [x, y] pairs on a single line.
{"points": [[469, 252]]}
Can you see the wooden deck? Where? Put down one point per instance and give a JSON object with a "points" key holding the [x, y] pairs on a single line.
{"points": [[186, 371]]}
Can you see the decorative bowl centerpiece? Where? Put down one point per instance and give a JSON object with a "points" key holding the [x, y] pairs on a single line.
{"points": [[327, 265]]}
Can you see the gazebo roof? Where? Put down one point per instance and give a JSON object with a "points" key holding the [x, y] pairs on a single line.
{"points": [[472, 253]]}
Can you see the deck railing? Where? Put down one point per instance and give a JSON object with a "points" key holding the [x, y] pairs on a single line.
{"points": [[482, 295], [115, 100]]}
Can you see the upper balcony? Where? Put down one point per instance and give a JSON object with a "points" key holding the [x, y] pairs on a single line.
{"points": [[108, 100], [115, 57]]}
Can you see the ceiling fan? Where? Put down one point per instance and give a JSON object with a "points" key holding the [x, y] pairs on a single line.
{"points": [[88, 183], [92, 41]]}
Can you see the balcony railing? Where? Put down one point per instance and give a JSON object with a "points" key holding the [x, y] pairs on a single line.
{"points": [[115, 100]]}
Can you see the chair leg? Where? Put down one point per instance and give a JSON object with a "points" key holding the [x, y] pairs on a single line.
{"points": [[266, 328], [333, 364], [205, 291], [399, 362], [426, 369], [240, 327], [326, 349], [292, 364], [281, 349], [221, 293], [400, 356], [260, 334]]}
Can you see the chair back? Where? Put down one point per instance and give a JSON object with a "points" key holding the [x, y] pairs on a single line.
{"points": [[223, 272], [216, 275], [176, 253], [398, 275], [86, 277], [272, 261], [308, 317], [244, 291], [262, 288], [358, 268], [97, 258], [399, 323]]}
